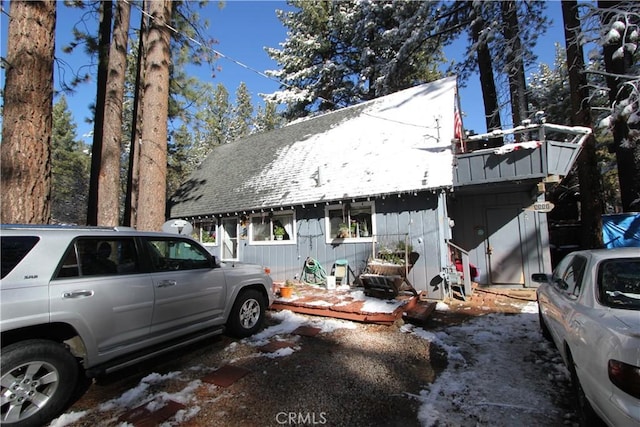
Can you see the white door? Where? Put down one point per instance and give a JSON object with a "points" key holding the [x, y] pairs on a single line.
{"points": [[229, 239]]}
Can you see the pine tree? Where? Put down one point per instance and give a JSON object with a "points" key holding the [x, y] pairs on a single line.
{"points": [[341, 53], [109, 188], [215, 118], [242, 122], [183, 90], [28, 105], [588, 173], [267, 118], [502, 36], [549, 88], [620, 28], [153, 146], [104, 40], [485, 70], [181, 158], [69, 168], [514, 64], [393, 45]]}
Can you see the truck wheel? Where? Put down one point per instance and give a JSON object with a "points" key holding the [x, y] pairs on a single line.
{"points": [[247, 314], [38, 378]]}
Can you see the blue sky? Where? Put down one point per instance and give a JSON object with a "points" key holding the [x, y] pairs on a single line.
{"points": [[243, 29]]}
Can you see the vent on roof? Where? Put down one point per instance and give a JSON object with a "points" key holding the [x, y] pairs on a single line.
{"points": [[320, 178]]}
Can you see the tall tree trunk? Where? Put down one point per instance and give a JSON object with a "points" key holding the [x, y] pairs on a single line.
{"points": [[515, 64], [131, 198], [588, 172], [487, 82], [625, 143], [98, 123], [28, 111], [109, 177], [153, 150]]}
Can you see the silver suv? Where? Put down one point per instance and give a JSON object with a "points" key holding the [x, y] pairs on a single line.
{"points": [[89, 301]]}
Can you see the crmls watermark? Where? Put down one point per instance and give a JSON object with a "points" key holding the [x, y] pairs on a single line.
{"points": [[301, 418]]}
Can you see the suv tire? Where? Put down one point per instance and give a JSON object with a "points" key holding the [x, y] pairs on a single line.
{"points": [[35, 371], [247, 314]]}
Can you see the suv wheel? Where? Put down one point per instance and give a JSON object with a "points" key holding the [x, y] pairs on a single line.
{"points": [[247, 314], [38, 379]]}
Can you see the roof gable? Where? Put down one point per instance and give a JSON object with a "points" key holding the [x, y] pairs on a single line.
{"points": [[393, 144]]}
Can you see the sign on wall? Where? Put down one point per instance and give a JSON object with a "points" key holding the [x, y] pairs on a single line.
{"points": [[540, 207]]}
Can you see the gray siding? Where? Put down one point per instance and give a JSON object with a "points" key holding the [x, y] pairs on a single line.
{"points": [[414, 216], [527, 250], [484, 166], [562, 155]]}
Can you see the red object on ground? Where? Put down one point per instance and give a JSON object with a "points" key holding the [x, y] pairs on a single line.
{"points": [[472, 268]]}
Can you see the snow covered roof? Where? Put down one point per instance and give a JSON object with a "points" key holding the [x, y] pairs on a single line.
{"points": [[393, 144]]}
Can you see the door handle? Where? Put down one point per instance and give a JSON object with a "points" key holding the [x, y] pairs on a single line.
{"points": [[167, 283], [78, 294]]}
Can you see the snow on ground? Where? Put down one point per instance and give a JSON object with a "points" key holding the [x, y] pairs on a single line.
{"points": [[499, 372], [370, 305], [136, 396]]}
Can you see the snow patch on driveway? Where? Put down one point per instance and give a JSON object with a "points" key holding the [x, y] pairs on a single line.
{"points": [[500, 372]]}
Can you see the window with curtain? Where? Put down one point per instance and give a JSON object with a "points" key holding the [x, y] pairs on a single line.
{"points": [[350, 221], [273, 227]]}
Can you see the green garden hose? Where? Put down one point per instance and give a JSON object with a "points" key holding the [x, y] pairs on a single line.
{"points": [[313, 273]]}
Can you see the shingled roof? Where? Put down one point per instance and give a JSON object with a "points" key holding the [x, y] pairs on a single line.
{"points": [[400, 143]]}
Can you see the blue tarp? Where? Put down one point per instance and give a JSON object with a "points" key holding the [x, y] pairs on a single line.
{"points": [[621, 230]]}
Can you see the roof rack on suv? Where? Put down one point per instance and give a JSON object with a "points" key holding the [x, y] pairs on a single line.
{"points": [[63, 227]]}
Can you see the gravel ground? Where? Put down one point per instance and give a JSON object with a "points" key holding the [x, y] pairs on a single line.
{"points": [[357, 375], [349, 377], [365, 376]]}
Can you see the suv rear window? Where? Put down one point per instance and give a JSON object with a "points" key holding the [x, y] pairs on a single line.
{"points": [[98, 256], [13, 250]]}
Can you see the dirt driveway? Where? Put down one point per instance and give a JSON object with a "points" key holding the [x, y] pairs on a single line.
{"points": [[333, 373]]}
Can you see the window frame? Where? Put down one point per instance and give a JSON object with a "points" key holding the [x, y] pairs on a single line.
{"points": [[198, 229], [331, 237], [271, 216]]}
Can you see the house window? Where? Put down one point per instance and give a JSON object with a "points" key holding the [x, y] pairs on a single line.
{"points": [[205, 231], [350, 221], [273, 227]]}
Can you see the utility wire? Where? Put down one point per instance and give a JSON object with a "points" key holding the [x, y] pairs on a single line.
{"points": [[260, 73], [217, 52]]}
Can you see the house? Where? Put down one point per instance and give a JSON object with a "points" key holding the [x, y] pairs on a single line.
{"points": [[381, 174]]}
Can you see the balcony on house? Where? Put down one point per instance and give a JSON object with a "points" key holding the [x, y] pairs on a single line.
{"points": [[538, 152]]}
